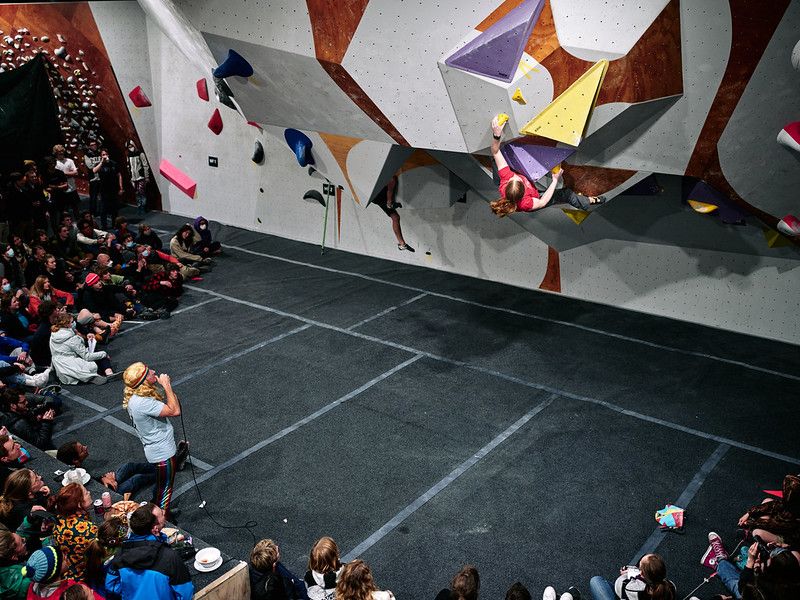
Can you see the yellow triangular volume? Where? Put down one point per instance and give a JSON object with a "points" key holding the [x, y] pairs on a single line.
{"points": [[702, 207], [565, 118], [577, 216], [775, 239], [518, 97]]}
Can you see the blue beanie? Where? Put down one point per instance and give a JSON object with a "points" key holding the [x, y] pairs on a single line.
{"points": [[44, 565]]}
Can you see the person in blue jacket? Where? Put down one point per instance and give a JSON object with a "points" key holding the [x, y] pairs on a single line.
{"points": [[146, 568]]}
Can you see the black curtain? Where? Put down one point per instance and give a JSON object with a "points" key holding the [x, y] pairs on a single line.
{"points": [[29, 124]]}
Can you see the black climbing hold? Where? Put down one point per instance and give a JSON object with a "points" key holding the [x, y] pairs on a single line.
{"points": [[258, 153], [314, 195]]}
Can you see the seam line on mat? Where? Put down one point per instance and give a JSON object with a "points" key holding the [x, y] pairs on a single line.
{"points": [[512, 378], [105, 412], [683, 500], [383, 313], [433, 491], [517, 313], [294, 427]]}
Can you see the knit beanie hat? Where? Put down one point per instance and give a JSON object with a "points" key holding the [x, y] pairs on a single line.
{"points": [[92, 278], [44, 565]]}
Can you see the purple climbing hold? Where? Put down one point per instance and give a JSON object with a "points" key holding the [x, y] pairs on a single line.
{"points": [[497, 51], [235, 64], [300, 144], [534, 161], [728, 212]]}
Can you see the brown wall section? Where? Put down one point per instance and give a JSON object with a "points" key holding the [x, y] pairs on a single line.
{"points": [[333, 24]]}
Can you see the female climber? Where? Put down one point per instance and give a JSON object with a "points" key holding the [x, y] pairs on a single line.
{"points": [[518, 192]]}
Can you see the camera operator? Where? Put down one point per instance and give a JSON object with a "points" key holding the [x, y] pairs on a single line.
{"points": [[31, 420]]}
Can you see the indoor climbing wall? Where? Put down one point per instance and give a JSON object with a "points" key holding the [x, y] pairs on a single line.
{"points": [[659, 108]]}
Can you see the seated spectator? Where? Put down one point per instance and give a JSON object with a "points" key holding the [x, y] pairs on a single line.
{"points": [[518, 592], [180, 246], [126, 480], [64, 246], [73, 531], [46, 568], [324, 568], [40, 341], [356, 583], [42, 290], [35, 265], [10, 451], [93, 240], [777, 519], [148, 237], [163, 289], [24, 490], [58, 276], [80, 591], [269, 579], [72, 361], [14, 582], [90, 324], [101, 301], [110, 536], [120, 227], [771, 570], [648, 581], [203, 244], [33, 424], [15, 374], [12, 320], [12, 349], [465, 586], [146, 562]]}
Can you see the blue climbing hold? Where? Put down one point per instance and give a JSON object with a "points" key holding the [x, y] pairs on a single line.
{"points": [[300, 145], [235, 64]]}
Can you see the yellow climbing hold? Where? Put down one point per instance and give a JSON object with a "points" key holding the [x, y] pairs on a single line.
{"points": [[775, 239], [566, 117], [556, 169], [501, 119], [517, 97], [577, 216], [702, 207]]}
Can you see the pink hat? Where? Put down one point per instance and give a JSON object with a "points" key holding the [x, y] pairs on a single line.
{"points": [[92, 278]]}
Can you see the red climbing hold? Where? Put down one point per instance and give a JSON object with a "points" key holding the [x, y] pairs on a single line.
{"points": [[215, 122], [139, 98], [202, 89]]}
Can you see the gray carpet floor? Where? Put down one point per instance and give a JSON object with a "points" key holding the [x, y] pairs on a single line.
{"points": [[426, 420]]}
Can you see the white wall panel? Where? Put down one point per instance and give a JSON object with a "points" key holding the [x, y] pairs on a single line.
{"points": [[596, 29], [393, 58]]}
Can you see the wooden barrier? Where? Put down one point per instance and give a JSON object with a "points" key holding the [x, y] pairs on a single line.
{"points": [[233, 585]]}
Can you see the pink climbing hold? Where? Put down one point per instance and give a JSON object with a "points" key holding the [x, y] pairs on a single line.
{"points": [[789, 225], [178, 178], [215, 122], [789, 136], [254, 124], [139, 98], [202, 89]]}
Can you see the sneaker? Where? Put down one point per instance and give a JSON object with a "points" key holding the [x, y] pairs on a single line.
{"points": [[717, 547], [549, 593], [573, 593], [405, 247], [39, 380], [708, 559], [183, 454]]}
